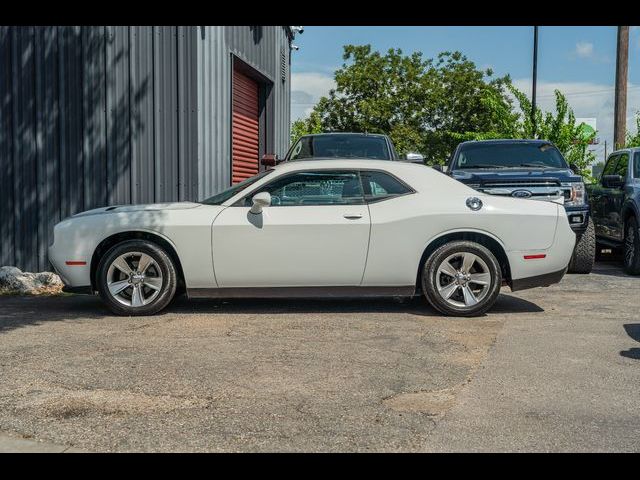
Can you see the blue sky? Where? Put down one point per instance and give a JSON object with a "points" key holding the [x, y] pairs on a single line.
{"points": [[580, 61]]}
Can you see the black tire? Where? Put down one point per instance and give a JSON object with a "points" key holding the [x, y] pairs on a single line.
{"points": [[631, 253], [584, 253], [430, 278], [163, 268]]}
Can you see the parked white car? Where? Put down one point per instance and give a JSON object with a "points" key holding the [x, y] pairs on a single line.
{"points": [[319, 228]]}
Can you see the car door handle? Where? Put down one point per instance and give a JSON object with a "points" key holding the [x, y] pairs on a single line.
{"points": [[352, 216]]}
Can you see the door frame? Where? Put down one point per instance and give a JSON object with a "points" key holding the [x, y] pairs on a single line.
{"points": [[266, 134]]}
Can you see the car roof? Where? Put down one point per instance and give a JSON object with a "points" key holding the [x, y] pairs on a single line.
{"points": [[355, 163], [355, 134], [507, 141], [621, 150]]}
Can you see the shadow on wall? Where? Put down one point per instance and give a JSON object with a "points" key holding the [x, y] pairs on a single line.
{"points": [[69, 113], [633, 330]]}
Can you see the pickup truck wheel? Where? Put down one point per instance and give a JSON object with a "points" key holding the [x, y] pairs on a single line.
{"points": [[584, 253], [461, 279], [631, 247]]}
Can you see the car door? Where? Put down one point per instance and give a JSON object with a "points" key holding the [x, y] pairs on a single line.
{"points": [[615, 199], [599, 198], [314, 233]]}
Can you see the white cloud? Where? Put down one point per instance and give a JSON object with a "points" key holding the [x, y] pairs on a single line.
{"points": [[306, 90], [584, 49], [588, 100]]}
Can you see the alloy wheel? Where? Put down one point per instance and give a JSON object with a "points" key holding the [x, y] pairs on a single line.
{"points": [[134, 279], [463, 279]]}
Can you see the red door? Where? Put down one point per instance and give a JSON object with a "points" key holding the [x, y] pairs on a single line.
{"points": [[245, 129]]}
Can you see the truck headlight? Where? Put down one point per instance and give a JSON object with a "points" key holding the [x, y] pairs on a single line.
{"points": [[578, 195]]}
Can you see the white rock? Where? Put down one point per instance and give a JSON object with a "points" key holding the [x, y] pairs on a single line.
{"points": [[15, 280]]}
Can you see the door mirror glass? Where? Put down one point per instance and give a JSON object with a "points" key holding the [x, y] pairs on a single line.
{"points": [[612, 181], [260, 200]]}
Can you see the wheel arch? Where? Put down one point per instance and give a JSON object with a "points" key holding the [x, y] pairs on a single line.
{"points": [[483, 238], [104, 246]]}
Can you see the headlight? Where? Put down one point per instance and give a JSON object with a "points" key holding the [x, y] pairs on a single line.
{"points": [[578, 195]]}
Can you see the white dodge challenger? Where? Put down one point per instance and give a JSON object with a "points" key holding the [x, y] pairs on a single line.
{"points": [[318, 228]]}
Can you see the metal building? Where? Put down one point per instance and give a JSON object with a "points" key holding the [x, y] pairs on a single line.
{"points": [[91, 116]]}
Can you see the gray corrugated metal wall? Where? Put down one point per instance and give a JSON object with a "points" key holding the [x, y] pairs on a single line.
{"points": [[91, 116], [261, 48]]}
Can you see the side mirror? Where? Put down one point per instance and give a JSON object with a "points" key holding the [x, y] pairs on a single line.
{"points": [[612, 181], [269, 160], [414, 157], [260, 200], [574, 167], [437, 167]]}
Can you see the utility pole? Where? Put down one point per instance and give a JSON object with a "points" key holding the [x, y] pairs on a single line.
{"points": [[620, 108], [534, 81]]}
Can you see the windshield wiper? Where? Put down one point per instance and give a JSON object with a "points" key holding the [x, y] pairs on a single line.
{"points": [[534, 165], [481, 166]]}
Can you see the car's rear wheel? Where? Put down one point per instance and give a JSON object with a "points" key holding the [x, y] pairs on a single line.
{"points": [[462, 279], [136, 277], [631, 250]]}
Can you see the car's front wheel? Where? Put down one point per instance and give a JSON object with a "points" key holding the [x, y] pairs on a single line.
{"points": [[136, 277], [584, 252], [462, 279]]}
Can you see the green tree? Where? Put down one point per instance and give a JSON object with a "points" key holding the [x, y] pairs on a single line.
{"points": [[558, 127], [633, 140], [420, 103], [430, 105]]}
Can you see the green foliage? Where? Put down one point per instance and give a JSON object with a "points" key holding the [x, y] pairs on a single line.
{"points": [[431, 105], [560, 128], [306, 126], [634, 140]]}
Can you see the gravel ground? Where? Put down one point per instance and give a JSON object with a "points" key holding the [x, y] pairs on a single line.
{"points": [[330, 375]]}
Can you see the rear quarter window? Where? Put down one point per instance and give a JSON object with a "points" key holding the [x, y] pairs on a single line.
{"points": [[381, 185]]}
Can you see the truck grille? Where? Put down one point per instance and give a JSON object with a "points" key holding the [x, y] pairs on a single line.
{"points": [[539, 190]]}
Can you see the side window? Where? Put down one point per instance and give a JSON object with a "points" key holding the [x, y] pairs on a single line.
{"points": [[636, 165], [621, 167], [609, 168], [320, 187], [380, 185]]}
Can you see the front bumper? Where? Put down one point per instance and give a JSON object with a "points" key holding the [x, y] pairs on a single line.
{"points": [[578, 218]]}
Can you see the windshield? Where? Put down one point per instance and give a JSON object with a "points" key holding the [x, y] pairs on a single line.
{"points": [[529, 155], [225, 195], [340, 146]]}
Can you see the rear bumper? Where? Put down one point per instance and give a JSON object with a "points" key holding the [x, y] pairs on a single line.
{"points": [[538, 281], [85, 290]]}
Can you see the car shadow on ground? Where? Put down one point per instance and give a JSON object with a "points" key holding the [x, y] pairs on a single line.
{"points": [[24, 311], [414, 306], [633, 330], [610, 264]]}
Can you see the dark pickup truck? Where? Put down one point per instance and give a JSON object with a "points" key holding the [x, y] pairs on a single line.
{"points": [[615, 206], [529, 169]]}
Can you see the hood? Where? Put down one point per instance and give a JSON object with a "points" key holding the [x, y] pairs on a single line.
{"points": [[140, 208], [500, 175]]}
